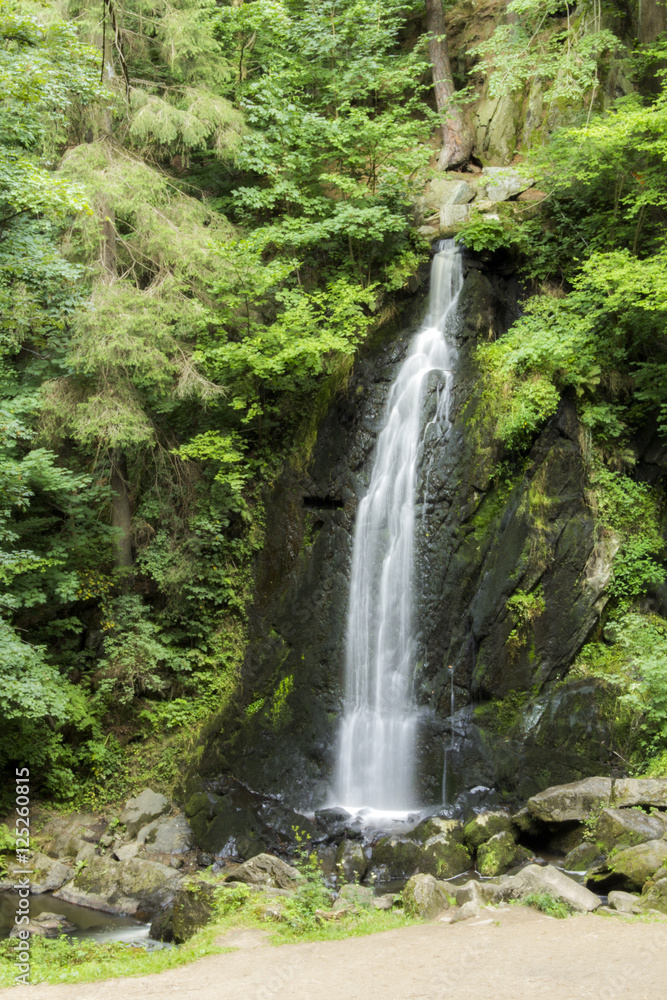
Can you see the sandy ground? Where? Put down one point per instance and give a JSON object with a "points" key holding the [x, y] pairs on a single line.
{"points": [[514, 954]]}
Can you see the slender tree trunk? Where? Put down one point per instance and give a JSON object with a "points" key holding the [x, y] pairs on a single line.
{"points": [[121, 512], [456, 136]]}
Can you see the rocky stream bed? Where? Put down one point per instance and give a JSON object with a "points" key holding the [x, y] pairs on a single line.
{"points": [[605, 841]]}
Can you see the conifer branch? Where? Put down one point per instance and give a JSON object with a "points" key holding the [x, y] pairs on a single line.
{"points": [[108, 8]]}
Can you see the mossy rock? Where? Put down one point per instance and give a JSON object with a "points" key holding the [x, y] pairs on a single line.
{"points": [[395, 857], [656, 897], [445, 855], [583, 857], [499, 854], [631, 868], [425, 897], [435, 825], [627, 827], [485, 826]]}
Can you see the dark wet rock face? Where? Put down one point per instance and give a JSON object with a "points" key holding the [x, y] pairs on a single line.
{"points": [[479, 542]]}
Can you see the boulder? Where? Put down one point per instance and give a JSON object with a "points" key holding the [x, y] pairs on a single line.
{"points": [[630, 868], [486, 825], [442, 191], [64, 836], [125, 852], [48, 925], [384, 902], [467, 911], [624, 902], [332, 821], [656, 897], [445, 855], [527, 824], [395, 857], [565, 837], [172, 835], [48, 875], [135, 888], [627, 827], [479, 893], [351, 862], [425, 897], [574, 801], [225, 825], [266, 871], [583, 857], [502, 183], [641, 792], [143, 808], [499, 854], [452, 218], [432, 826], [538, 879]]}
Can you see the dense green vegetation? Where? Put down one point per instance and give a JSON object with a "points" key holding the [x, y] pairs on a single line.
{"points": [[193, 239], [198, 229]]}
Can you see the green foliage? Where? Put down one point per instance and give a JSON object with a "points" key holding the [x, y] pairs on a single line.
{"points": [[311, 894], [550, 905], [558, 44], [633, 660]]}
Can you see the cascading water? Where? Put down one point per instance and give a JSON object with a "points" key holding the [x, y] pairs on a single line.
{"points": [[377, 741]]}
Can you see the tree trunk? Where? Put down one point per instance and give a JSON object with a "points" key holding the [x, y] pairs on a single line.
{"points": [[121, 512], [652, 20], [456, 136]]}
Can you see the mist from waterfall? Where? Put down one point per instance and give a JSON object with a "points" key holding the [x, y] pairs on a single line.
{"points": [[378, 731]]}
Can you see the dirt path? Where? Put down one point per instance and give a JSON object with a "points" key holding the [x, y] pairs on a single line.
{"points": [[514, 954]]}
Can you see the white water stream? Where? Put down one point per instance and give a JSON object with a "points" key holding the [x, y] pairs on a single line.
{"points": [[377, 740]]}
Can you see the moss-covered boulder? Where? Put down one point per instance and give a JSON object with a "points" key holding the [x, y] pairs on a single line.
{"points": [[627, 827], [197, 901], [486, 825], [395, 857], [134, 888], [431, 827], [499, 854], [631, 868], [583, 857], [656, 897], [225, 825], [445, 854], [425, 897]]}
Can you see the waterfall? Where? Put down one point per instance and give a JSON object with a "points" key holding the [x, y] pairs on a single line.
{"points": [[377, 739]]}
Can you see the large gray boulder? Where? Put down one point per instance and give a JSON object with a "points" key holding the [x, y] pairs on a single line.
{"points": [[266, 871], [65, 836], [142, 809], [537, 880], [624, 902], [478, 893], [630, 868], [134, 888], [627, 827], [442, 191], [425, 897], [574, 801], [502, 183], [171, 835], [641, 792]]}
